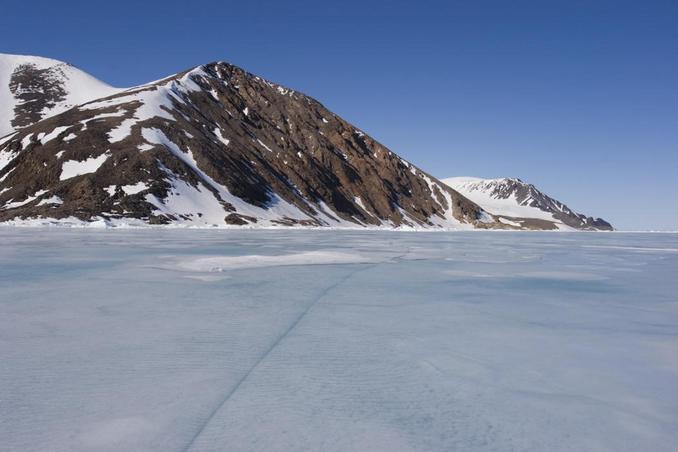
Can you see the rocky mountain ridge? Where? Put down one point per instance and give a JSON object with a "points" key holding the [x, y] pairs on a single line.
{"points": [[523, 205]]}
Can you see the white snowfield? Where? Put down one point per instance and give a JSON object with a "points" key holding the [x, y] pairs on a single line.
{"points": [[480, 191], [80, 87], [214, 340]]}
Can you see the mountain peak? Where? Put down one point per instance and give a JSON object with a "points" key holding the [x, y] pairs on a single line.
{"points": [[33, 88], [216, 145], [522, 203]]}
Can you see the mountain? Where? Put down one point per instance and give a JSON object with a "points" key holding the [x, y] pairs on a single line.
{"points": [[32, 88], [216, 145], [519, 204]]}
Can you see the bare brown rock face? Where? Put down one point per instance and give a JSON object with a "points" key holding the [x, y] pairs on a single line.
{"points": [[215, 146]]}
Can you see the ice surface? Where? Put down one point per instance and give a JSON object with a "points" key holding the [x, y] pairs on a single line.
{"points": [[214, 340]]}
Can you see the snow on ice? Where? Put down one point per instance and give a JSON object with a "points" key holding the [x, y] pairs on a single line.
{"points": [[172, 340]]}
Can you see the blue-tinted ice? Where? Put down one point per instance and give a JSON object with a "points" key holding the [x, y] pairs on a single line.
{"points": [[175, 340]]}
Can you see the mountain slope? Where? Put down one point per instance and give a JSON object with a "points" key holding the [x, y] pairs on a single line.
{"points": [[520, 204], [214, 146], [32, 88]]}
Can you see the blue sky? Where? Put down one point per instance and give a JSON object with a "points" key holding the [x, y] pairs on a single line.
{"points": [[578, 97]]}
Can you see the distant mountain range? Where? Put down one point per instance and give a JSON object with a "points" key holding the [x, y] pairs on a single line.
{"points": [[522, 205], [218, 146]]}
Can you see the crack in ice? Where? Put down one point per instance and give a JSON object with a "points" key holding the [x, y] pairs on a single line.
{"points": [[273, 346]]}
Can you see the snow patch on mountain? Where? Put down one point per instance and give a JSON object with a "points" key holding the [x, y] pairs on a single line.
{"points": [[53, 200], [73, 168]]}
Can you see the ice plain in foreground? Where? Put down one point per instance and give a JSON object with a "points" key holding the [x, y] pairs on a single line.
{"points": [[173, 340]]}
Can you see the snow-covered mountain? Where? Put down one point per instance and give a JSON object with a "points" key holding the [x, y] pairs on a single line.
{"points": [[214, 145], [520, 204], [32, 88]]}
